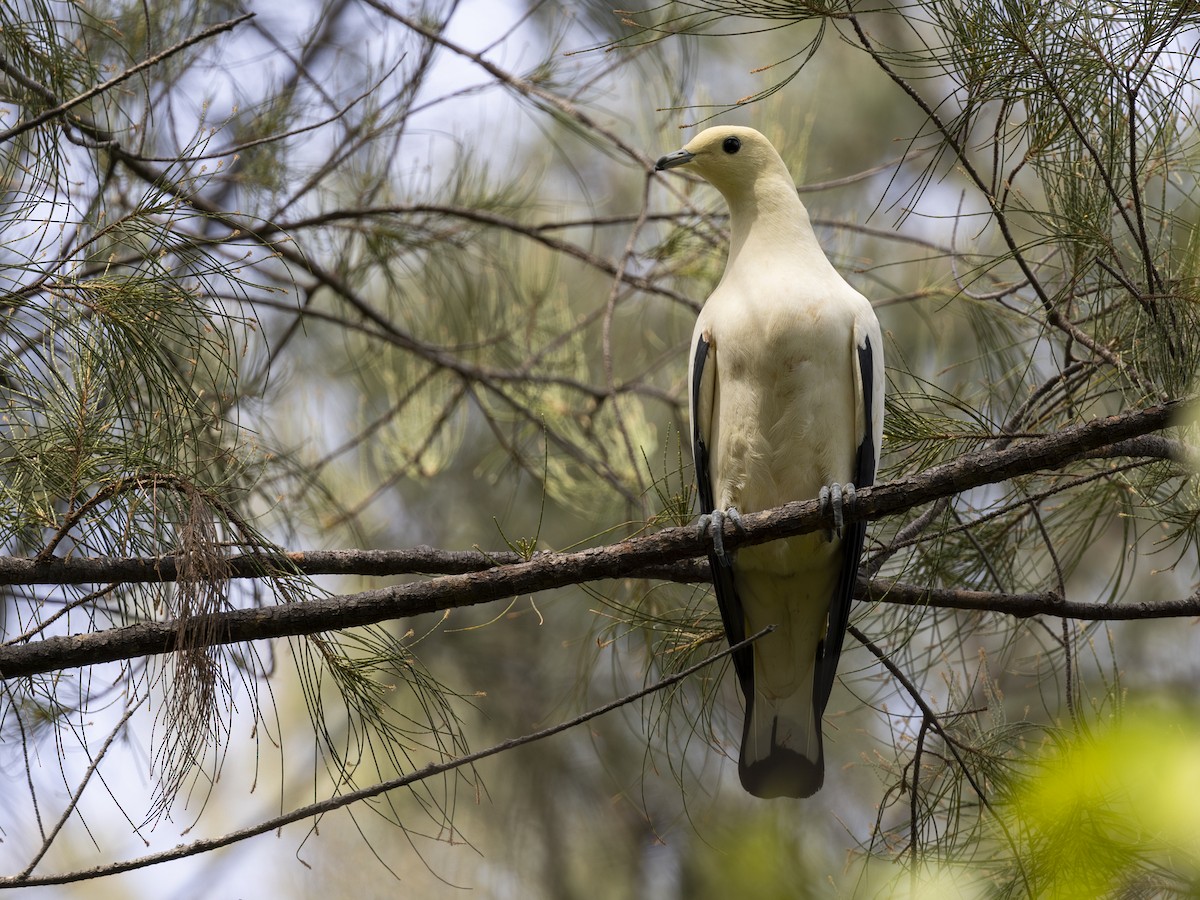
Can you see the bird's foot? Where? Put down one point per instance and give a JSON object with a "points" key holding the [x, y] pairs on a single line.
{"points": [[715, 521], [834, 499]]}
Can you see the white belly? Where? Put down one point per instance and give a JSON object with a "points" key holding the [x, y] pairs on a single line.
{"points": [[784, 411]]}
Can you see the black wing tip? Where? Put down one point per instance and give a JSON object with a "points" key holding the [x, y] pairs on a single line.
{"points": [[784, 773], [699, 448]]}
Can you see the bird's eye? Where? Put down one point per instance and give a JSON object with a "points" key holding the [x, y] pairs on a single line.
{"points": [[731, 145]]}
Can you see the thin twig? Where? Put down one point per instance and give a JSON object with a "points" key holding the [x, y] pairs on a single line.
{"points": [[1053, 316], [357, 796], [521, 85], [610, 309], [75, 797], [932, 718], [96, 90]]}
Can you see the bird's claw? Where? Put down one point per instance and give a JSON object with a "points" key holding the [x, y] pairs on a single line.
{"points": [[716, 522], [834, 499]]}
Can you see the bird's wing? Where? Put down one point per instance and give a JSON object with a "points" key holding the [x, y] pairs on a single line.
{"points": [[868, 382], [704, 384]]}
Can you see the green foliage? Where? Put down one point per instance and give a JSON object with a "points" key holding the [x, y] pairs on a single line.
{"points": [[1113, 814], [754, 856]]}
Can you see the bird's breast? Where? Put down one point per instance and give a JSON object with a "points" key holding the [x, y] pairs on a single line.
{"points": [[785, 404]]}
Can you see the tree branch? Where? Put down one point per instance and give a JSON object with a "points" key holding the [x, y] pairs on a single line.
{"points": [[1023, 606], [626, 559]]}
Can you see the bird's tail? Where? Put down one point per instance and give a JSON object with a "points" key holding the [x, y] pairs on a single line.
{"points": [[781, 746], [781, 740]]}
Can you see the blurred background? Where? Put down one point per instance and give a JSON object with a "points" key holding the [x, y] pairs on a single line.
{"points": [[369, 275]]}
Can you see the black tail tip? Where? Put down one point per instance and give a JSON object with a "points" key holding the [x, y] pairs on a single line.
{"points": [[784, 773]]}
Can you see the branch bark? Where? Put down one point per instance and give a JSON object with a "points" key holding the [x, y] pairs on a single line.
{"points": [[1047, 603], [626, 559]]}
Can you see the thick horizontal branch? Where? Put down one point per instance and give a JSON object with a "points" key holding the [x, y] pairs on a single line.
{"points": [[425, 560], [625, 559], [422, 560], [107, 570]]}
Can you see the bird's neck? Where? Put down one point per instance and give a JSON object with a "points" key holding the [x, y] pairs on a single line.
{"points": [[768, 221]]}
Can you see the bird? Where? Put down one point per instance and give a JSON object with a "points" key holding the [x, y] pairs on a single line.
{"points": [[786, 403]]}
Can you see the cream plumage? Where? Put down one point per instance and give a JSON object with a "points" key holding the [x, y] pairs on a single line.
{"points": [[786, 404]]}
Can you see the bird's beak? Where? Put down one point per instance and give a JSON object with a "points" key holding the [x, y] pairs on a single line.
{"points": [[671, 160]]}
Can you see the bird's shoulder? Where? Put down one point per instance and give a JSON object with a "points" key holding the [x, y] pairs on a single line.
{"points": [[752, 297]]}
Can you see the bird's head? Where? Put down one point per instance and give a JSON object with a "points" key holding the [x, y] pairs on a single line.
{"points": [[731, 158]]}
